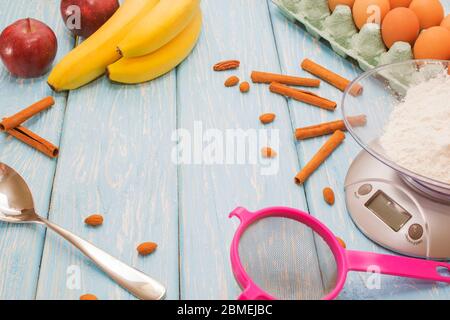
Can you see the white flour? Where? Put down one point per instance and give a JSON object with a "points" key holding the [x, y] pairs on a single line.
{"points": [[417, 135]]}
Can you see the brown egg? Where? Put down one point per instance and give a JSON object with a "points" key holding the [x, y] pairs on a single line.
{"points": [[400, 24], [333, 3], [429, 12], [400, 3], [446, 22], [433, 43], [370, 11]]}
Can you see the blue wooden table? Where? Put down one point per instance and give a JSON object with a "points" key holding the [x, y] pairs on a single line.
{"points": [[116, 159]]}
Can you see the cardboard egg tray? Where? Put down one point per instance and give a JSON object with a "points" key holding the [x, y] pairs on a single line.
{"points": [[365, 46]]}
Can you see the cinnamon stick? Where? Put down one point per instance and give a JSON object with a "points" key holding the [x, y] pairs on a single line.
{"points": [[25, 114], [328, 127], [308, 92], [329, 76], [303, 96], [266, 77], [335, 141], [32, 139]]}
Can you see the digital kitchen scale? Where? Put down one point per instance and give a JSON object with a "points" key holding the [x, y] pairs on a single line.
{"points": [[401, 210], [397, 212]]}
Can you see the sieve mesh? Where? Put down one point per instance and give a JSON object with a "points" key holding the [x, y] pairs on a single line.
{"points": [[287, 259]]}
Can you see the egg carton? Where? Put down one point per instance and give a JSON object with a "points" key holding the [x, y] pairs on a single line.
{"points": [[366, 47]]}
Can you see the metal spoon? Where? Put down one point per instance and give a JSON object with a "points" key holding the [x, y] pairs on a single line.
{"points": [[16, 206]]}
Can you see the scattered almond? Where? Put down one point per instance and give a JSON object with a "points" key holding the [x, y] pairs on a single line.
{"points": [[267, 118], [341, 242], [268, 152], [244, 87], [146, 248], [94, 220], [227, 65], [232, 81], [328, 195], [88, 297]]}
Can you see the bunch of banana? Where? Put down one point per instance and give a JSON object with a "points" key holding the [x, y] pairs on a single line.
{"points": [[143, 40], [159, 62]]}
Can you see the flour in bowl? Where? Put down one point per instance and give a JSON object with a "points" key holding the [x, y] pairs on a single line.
{"points": [[417, 135]]}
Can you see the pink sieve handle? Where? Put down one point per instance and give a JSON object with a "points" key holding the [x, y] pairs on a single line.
{"points": [[397, 266], [253, 294]]}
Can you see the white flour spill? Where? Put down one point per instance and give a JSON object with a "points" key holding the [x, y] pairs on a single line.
{"points": [[417, 135]]}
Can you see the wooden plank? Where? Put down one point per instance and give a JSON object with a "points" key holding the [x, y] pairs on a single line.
{"points": [[116, 141], [241, 30], [21, 246], [115, 160], [295, 44]]}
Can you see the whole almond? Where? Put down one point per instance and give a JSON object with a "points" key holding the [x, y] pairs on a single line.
{"points": [[88, 296], [341, 242], [146, 248], [267, 118], [328, 195], [244, 87], [94, 220], [231, 81], [227, 65], [268, 152]]}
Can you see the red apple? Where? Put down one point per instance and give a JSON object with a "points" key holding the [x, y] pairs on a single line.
{"points": [[84, 17], [28, 48]]}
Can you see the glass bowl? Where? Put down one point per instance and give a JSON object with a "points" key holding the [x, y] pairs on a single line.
{"points": [[382, 89]]}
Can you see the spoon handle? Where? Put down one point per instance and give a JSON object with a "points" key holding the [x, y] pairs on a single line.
{"points": [[136, 282]]}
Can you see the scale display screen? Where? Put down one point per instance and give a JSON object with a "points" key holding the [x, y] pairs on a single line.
{"points": [[389, 211]]}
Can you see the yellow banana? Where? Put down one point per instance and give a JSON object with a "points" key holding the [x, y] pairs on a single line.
{"points": [[149, 67], [158, 27], [89, 60]]}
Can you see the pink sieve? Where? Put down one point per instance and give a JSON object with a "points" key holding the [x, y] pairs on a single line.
{"points": [[274, 256]]}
